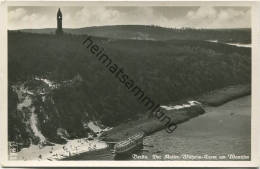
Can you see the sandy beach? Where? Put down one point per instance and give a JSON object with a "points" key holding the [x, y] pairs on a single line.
{"points": [[60, 151]]}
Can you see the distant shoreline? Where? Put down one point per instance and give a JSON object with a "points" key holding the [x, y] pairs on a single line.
{"points": [[246, 45]]}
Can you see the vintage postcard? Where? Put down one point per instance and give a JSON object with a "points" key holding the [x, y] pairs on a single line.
{"points": [[129, 83]]}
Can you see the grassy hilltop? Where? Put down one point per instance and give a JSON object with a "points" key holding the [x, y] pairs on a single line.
{"points": [[167, 71], [142, 32]]}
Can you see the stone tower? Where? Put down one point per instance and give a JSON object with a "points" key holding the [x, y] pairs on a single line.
{"points": [[59, 30]]}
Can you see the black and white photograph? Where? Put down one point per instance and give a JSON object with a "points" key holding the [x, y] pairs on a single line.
{"points": [[126, 82]]}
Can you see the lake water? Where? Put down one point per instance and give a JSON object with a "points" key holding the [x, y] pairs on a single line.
{"points": [[222, 130], [233, 44]]}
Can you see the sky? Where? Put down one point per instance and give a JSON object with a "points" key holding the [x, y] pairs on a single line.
{"points": [[34, 17]]}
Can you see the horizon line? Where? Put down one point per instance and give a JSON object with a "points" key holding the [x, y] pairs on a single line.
{"points": [[135, 25]]}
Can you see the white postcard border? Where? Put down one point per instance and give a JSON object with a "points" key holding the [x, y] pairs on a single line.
{"points": [[255, 116]]}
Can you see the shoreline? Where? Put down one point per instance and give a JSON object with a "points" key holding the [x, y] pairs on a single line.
{"points": [[100, 154], [146, 125], [151, 125]]}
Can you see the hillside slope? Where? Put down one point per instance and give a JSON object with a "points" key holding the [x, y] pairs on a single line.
{"points": [[57, 88]]}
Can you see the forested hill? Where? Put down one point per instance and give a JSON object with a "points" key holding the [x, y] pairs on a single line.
{"points": [[58, 87], [142, 32]]}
